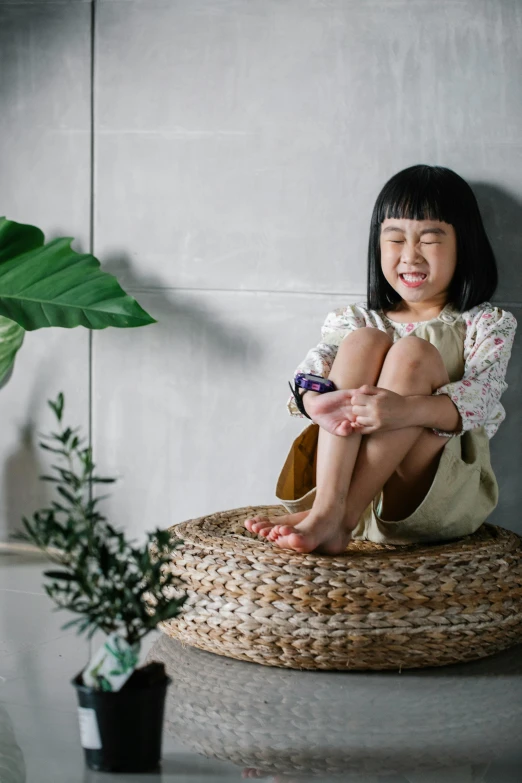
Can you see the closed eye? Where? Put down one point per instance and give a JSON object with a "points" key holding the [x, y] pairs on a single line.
{"points": [[398, 241]]}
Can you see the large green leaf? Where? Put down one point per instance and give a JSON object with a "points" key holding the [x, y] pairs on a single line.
{"points": [[51, 285], [11, 338]]}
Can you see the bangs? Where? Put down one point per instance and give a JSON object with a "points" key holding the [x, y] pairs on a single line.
{"points": [[417, 193]]}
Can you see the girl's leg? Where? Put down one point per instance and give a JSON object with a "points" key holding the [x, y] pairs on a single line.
{"points": [[358, 361], [412, 366], [401, 462]]}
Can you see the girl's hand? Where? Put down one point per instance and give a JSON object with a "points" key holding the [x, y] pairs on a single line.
{"points": [[332, 411], [364, 410], [374, 409]]}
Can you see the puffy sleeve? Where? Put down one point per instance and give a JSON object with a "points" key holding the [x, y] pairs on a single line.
{"points": [[487, 350], [319, 359]]}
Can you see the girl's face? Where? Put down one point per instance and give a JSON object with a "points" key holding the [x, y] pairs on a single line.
{"points": [[427, 247]]}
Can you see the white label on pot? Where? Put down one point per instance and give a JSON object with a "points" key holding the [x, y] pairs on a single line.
{"points": [[89, 731]]}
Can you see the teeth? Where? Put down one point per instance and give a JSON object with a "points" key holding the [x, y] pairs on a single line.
{"points": [[413, 278]]}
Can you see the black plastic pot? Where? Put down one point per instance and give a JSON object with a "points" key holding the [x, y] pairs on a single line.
{"points": [[122, 731]]}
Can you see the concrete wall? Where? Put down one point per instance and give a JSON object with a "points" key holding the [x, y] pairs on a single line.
{"points": [[236, 148]]}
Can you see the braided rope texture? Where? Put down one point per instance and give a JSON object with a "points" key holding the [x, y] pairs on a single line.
{"points": [[375, 607]]}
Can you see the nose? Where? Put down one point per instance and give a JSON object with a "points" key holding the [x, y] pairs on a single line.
{"points": [[411, 252]]}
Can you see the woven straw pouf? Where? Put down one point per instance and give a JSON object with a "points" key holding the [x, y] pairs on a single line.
{"points": [[374, 607]]}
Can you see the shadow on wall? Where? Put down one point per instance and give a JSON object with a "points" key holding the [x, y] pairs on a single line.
{"points": [[506, 445], [502, 216], [180, 319], [189, 317]]}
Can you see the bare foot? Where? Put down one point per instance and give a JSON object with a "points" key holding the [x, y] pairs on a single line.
{"points": [[262, 526], [325, 532]]}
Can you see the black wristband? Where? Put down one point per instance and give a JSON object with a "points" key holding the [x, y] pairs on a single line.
{"points": [[299, 401]]}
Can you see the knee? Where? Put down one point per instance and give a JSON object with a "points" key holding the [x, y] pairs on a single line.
{"points": [[414, 353], [368, 337], [361, 353]]}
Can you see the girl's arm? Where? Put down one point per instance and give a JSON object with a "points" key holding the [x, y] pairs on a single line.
{"points": [[487, 350], [319, 360], [433, 411]]}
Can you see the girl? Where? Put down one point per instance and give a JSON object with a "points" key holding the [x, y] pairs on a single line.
{"points": [[398, 452]]}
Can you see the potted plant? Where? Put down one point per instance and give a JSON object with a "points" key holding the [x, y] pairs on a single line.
{"points": [[43, 285], [114, 587]]}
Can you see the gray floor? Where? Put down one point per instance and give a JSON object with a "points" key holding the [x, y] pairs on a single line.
{"points": [[228, 720]]}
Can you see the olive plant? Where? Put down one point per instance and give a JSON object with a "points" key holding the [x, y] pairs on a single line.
{"points": [[111, 583]]}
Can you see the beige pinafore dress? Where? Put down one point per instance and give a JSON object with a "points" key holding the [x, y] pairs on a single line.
{"points": [[463, 493]]}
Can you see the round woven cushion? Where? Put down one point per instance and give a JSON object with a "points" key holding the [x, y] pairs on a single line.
{"points": [[376, 606]]}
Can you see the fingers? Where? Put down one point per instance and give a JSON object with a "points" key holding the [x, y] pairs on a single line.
{"points": [[356, 398], [359, 426], [362, 429], [366, 389]]}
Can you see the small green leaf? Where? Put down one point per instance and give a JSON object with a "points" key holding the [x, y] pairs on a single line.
{"points": [[72, 623], [58, 507], [58, 405], [56, 451], [67, 495], [104, 560], [60, 575]]}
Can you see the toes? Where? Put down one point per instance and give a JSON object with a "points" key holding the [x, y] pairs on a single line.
{"points": [[257, 527], [287, 537], [251, 522], [260, 526], [280, 530], [295, 541], [254, 524]]}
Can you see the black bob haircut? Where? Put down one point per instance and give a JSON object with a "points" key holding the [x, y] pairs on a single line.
{"points": [[434, 193]]}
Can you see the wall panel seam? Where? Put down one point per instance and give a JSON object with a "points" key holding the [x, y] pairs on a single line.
{"points": [[281, 292]]}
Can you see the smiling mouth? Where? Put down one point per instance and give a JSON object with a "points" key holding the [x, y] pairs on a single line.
{"points": [[413, 282], [413, 278]]}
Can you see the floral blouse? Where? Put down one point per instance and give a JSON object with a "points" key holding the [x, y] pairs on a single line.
{"points": [[490, 332]]}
